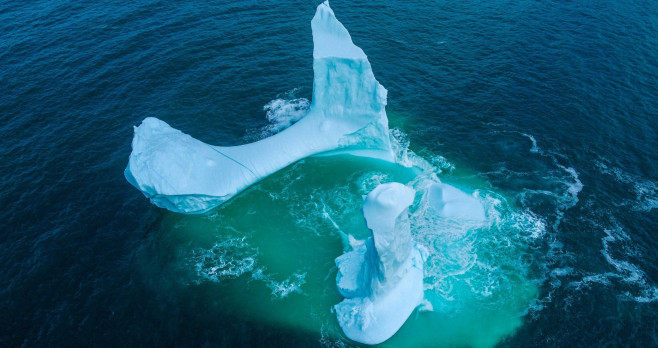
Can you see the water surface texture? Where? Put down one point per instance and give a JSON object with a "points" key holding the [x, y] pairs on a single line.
{"points": [[545, 110]]}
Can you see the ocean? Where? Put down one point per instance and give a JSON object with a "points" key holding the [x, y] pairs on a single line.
{"points": [[547, 111]]}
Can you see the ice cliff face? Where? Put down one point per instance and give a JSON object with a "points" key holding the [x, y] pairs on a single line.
{"points": [[182, 174], [382, 277]]}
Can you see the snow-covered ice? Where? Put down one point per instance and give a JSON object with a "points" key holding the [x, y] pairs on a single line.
{"points": [[381, 278], [347, 113]]}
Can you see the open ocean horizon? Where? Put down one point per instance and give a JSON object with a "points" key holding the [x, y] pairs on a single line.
{"points": [[547, 111]]}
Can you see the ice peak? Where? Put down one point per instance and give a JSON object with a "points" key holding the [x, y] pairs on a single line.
{"points": [[330, 38]]}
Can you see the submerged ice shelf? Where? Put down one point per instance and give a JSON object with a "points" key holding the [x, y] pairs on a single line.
{"points": [[182, 174], [382, 277]]}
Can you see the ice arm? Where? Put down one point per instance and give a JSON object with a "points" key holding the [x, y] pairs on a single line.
{"points": [[185, 175]]}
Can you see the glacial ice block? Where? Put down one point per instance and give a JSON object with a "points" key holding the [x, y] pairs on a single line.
{"points": [[347, 113], [448, 201], [382, 277]]}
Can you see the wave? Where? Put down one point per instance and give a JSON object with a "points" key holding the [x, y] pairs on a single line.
{"points": [[281, 289], [617, 245], [226, 259], [281, 113], [534, 148], [234, 257], [646, 191]]}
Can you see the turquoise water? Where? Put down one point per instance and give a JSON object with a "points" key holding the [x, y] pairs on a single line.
{"points": [[545, 110]]}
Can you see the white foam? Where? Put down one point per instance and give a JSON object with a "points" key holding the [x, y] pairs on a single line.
{"points": [[400, 146], [617, 242], [227, 259], [534, 148], [646, 191], [442, 164], [330, 341], [284, 113], [563, 199], [570, 198], [281, 113], [282, 289], [629, 272], [404, 156], [367, 182]]}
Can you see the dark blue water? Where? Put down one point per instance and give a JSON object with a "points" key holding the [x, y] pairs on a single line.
{"points": [[551, 104]]}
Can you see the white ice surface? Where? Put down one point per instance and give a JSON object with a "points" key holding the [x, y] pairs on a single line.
{"points": [[347, 113], [448, 201], [382, 277]]}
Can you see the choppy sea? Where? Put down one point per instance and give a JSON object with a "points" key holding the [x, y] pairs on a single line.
{"points": [[545, 110]]}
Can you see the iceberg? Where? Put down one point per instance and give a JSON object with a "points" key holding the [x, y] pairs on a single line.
{"points": [[347, 114], [450, 202], [381, 278]]}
